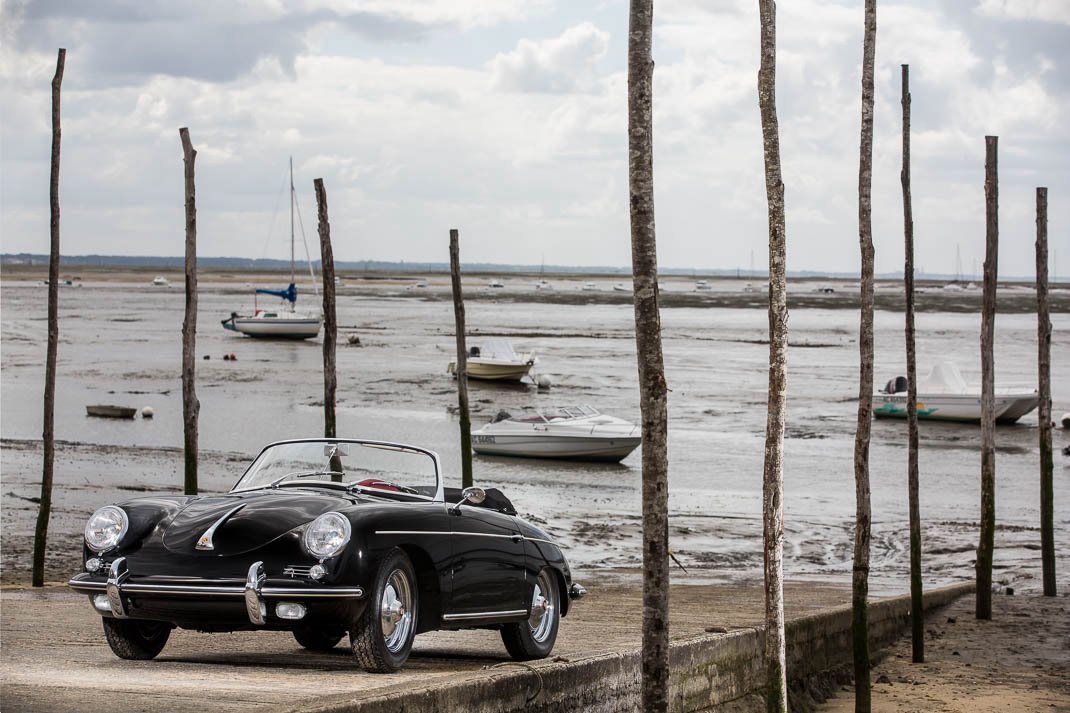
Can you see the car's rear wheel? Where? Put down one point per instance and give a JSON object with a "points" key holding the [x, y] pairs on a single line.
{"points": [[382, 637], [318, 639], [534, 637], [136, 639]]}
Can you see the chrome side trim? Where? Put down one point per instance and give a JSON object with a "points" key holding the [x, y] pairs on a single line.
{"points": [[435, 532], [549, 542], [517, 536], [485, 615], [254, 605], [116, 576], [208, 590], [205, 540]]}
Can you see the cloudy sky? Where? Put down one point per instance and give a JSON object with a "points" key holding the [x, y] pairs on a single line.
{"points": [[507, 119]]}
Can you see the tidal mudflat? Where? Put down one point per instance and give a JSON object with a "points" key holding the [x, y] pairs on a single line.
{"points": [[120, 343]]}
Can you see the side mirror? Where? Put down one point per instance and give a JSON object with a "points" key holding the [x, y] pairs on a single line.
{"points": [[472, 495]]}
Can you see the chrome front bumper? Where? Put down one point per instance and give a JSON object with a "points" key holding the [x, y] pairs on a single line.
{"points": [[118, 588]]}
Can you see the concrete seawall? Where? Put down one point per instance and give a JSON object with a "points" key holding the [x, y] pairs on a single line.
{"points": [[719, 672]]}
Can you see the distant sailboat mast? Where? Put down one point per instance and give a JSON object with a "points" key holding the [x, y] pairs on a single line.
{"points": [[292, 280]]}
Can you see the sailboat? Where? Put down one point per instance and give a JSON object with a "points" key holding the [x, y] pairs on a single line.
{"points": [[287, 322]]}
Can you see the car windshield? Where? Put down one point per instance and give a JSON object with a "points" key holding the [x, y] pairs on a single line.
{"points": [[360, 465]]}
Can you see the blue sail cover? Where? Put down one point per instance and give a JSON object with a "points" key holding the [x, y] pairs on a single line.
{"points": [[290, 293]]}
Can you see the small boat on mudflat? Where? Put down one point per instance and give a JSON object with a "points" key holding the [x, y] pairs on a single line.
{"points": [[109, 411], [570, 433], [943, 395], [496, 360]]}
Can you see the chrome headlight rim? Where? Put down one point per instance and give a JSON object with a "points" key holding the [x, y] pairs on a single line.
{"points": [[113, 541], [332, 519]]}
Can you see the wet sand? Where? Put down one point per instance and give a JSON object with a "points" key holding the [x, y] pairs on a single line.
{"points": [[1019, 661]]}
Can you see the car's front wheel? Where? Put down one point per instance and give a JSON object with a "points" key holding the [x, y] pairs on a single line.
{"points": [[382, 637], [534, 637], [318, 639], [135, 639]]}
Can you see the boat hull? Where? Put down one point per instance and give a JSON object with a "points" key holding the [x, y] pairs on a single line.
{"points": [[501, 371], [587, 448], [965, 408], [279, 328]]}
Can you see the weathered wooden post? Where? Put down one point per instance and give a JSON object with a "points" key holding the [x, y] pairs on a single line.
{"points": [[462, 361], [1047, 493], [191, 407], [776, 699], [330, 320], [988, 402], [653, 391], [44, 509], [863, 515], [917, 601]]}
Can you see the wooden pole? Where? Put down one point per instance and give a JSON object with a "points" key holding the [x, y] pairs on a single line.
{"points": [[462, 360], [1047, 492], [330, 320], [988, 421], [917, 602], [653, 391], [776, 700], [863, 514], [44, 510], [191, 407]]}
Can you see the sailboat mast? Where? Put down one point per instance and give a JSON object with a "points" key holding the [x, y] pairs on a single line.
{"points": [[292, 220]]}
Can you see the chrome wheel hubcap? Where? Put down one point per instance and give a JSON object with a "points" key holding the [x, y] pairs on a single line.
{"points": [[543, 608], [395, 611]]}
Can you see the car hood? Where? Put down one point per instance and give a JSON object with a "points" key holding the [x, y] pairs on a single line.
{"points": [[245, 521]]}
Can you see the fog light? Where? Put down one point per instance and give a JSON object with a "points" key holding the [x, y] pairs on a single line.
{"points": [[94, 564], [290, 610], [101, 603], [317, 571]]}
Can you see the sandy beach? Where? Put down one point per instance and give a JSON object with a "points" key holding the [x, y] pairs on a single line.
{"points": [[1018, 661]]}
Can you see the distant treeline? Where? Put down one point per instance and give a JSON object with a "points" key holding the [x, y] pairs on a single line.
{"points": [[267, 265]]}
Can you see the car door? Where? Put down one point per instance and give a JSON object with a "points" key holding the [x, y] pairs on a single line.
{"points": [[488, 569]]}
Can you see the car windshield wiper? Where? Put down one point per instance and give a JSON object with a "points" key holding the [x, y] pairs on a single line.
{"points": [[302, 474]]}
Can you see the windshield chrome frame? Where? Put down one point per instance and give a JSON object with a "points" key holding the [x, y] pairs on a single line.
{"points": [[440, 494]]}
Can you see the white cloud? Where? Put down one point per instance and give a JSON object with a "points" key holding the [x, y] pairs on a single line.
{"points": [[559, 65], [1042, 10]]}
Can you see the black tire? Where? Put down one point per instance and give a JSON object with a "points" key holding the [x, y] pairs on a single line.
{"points": [[318, 639], [382, 637], [534, 637], [136, 639]]}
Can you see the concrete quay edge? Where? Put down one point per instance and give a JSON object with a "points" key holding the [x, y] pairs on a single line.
{"points": [[707, 673]]}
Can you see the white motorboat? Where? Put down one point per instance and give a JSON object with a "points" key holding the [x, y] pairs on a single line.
{"points": [[160, 281], [589, 287], [285, 323], [571, 433], [944, 395], [702, 285], [496, 360]]}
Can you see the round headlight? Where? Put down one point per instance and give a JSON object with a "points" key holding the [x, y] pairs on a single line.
{"points": [[327, 535], [105, 528]]}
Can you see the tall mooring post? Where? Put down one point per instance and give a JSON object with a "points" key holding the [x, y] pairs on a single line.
{"points": [[191, 407], [462, 361]]}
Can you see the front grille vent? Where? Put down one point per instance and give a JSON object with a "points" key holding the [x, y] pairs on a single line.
{"points": [[296, 571]]}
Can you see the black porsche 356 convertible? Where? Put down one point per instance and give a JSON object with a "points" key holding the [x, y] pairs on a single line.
{"points": [[325, 537]]}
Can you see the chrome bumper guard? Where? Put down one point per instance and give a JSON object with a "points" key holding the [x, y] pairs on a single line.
{"points": [[577, 591], [118, 588]]}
